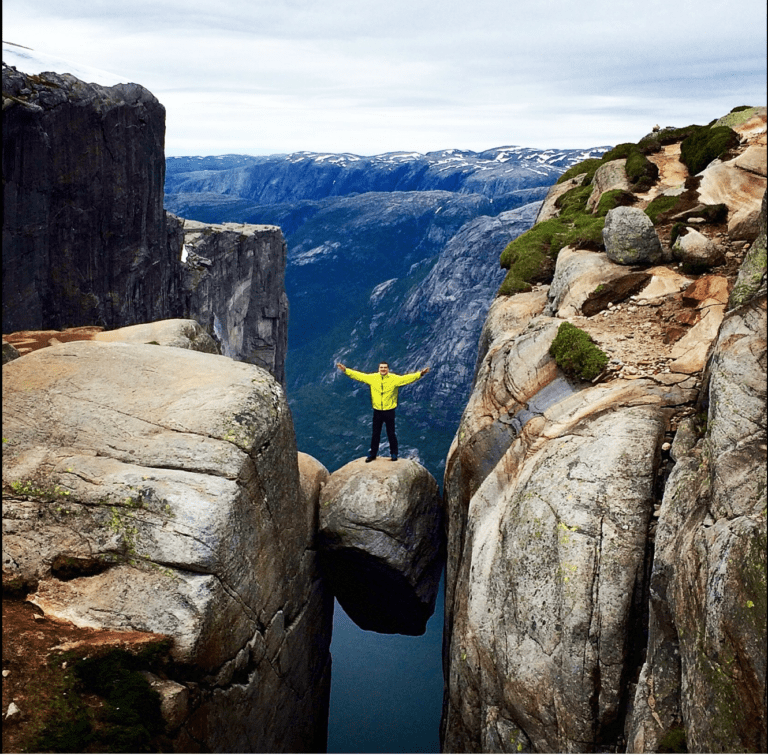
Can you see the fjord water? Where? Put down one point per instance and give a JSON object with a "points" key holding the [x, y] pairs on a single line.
{"points": [[386, 689]]}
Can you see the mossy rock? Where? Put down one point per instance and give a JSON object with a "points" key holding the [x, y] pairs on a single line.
{"points": [[737, 116], [705, 145], [576, 353], [641, 172], [659, 206], [609, 200]]}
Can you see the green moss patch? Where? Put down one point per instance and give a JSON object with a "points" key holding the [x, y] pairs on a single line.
{"points": [[705, 145], [530, 258], [612, 199], [589, 167], [661, 205], [576, 353], [129, 718]]}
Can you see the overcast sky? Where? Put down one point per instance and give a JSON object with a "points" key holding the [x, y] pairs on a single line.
{"points": [[269, 76]]}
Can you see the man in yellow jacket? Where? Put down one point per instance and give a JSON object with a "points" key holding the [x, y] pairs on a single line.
{"points": [[384, 385]]}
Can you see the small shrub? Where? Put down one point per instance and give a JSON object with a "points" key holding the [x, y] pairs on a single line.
{"points": [[705, 145], [678, 229], [739, 108], [576, 353], [674, 741], [613, 199], [641, 172], [659, 206]]}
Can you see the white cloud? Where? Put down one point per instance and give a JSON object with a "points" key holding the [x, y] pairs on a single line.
{"points": [[367, 77]]}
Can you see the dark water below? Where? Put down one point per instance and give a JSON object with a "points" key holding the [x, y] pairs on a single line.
{"points": [[386, 689]]}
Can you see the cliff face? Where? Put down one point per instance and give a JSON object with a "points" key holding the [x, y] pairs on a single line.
{"points": [[606, 534], [232, 283], [84, 237]]}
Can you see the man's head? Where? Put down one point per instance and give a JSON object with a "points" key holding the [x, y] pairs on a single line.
{"points": [[383, 368]]}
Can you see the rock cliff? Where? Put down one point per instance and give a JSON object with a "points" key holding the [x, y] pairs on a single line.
{"points": [[605, 581], [84, 238], [157, 489]]}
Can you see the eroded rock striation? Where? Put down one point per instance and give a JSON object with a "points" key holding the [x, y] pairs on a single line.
{"points": [[166, 481], [381, 542]]}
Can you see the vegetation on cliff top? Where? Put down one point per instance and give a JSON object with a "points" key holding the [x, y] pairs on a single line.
{"points": [[530, 258]]}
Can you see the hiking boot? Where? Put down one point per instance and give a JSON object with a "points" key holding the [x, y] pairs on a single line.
{"points": [[369, 458], [394, 457]]}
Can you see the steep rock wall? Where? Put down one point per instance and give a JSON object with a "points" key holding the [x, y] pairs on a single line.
{"points": [[84, 237], [233, 284]]}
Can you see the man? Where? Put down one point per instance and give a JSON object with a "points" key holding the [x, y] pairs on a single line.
{"points": [[384, 385]]}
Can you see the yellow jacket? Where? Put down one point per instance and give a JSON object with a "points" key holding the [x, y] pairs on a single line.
{"points": [[383, 387]]}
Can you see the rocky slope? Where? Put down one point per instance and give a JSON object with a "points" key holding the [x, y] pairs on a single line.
{"points": [[607, 536]]}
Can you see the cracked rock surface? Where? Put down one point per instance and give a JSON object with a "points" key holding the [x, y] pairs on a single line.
{"points": [[157, 489]]}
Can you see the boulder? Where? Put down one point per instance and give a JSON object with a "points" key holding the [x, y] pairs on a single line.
{"points": [[740, 185], [586, 282], [696, 249], [382, 543], [630, 238], [610, 175], [9, 352], [549, 492], [157, 489], [703, 686]]}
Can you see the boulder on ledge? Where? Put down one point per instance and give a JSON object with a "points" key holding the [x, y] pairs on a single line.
{"points": [[381, 543]]}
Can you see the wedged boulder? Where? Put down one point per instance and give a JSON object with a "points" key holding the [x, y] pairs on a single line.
{"points": [[608, 176], [381, 542], [703, 683], [547, 543], [696, 249], [183, 334], [157, 489], [630, 238], [589, 278]]}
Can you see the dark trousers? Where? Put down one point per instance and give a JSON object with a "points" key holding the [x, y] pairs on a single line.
{"points": [[383, 417]]}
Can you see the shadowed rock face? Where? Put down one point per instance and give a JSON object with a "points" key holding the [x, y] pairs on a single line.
{"points": [[381, 542], [84, 238], [166, 481]]}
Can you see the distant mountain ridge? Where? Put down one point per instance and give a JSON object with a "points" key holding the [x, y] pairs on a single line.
{"points": [[275, 179]]}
